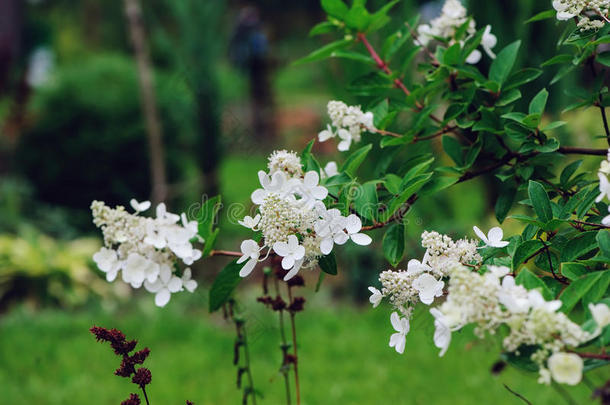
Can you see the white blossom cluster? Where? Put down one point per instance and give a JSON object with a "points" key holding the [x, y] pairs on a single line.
{"points": [[489, 299], [492, 299], [604, 185], [453, 16], [293, 220], [145, 250], [423, 280], [349, 123], [591, 14]]}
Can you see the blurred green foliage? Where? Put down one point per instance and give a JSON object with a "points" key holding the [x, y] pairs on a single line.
{"points": [[43, 271]]}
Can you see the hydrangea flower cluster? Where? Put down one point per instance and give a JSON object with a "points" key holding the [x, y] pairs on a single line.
{"points": [[423, 280], [145, 250], [604, 185], [453, 16], [349, 123], [293, 220], [591, 14], [492, 299], [488, 297]]}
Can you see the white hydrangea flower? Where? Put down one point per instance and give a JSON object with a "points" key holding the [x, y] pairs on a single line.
{"points": [[604, 187], [583, 11], [291, 251], [428, 287], [292, 218], [514, 297], [137, 268], [250, 252], [401, 326], [139, 247], [164, 286], [250, 222], [601, 315], [139, 206], [330, 169], [108, 261], [375, 297], [454, 15], [442, 331], [349, 121], [187, 281], [566, 368], [493, 238]]}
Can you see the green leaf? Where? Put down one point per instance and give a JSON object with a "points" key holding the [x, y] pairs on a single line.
{"points": [[437, 184], [323, 27], [524, 251], [358, 17], [328, 264], [568, 171], [521, 77], [335, 8], [504, 62], [323, 52], [582, 244], [558, 59], [597, 290], [320, 280], [355, 56], [453, 148], [394, 243], [539, 102], [452, 55], [603, 58], [577, 289], [540, 201], [308, 161], [366, 201], [532, 282], [546, 14], [603, 240], [209, 243], [206, 220], [353, 162], [504, 202], [224, 285], [573, 271]]}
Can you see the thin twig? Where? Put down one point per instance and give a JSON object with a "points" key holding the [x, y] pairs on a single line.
{"points": [[284, 369], [145, 396], [515, 393], [225, 253], [295, 353]]}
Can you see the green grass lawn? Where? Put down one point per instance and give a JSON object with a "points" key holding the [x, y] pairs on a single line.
{"points": [[49, 357]]}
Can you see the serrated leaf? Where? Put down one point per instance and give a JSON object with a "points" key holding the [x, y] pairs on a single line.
{"points": [[524, 251], [353, 162], [578, 246], [577, 289], [224, 285], [540, 201], [394, 243], [323, 52], [504, 62], [539, 102], [328, 264], [543, 15]]}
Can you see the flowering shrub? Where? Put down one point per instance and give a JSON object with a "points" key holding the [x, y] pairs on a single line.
{"points": [[525, 288]]}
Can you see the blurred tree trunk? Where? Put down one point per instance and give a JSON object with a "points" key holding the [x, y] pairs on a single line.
{"points": [[199, 45], [12, 79], [148, 100]]}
